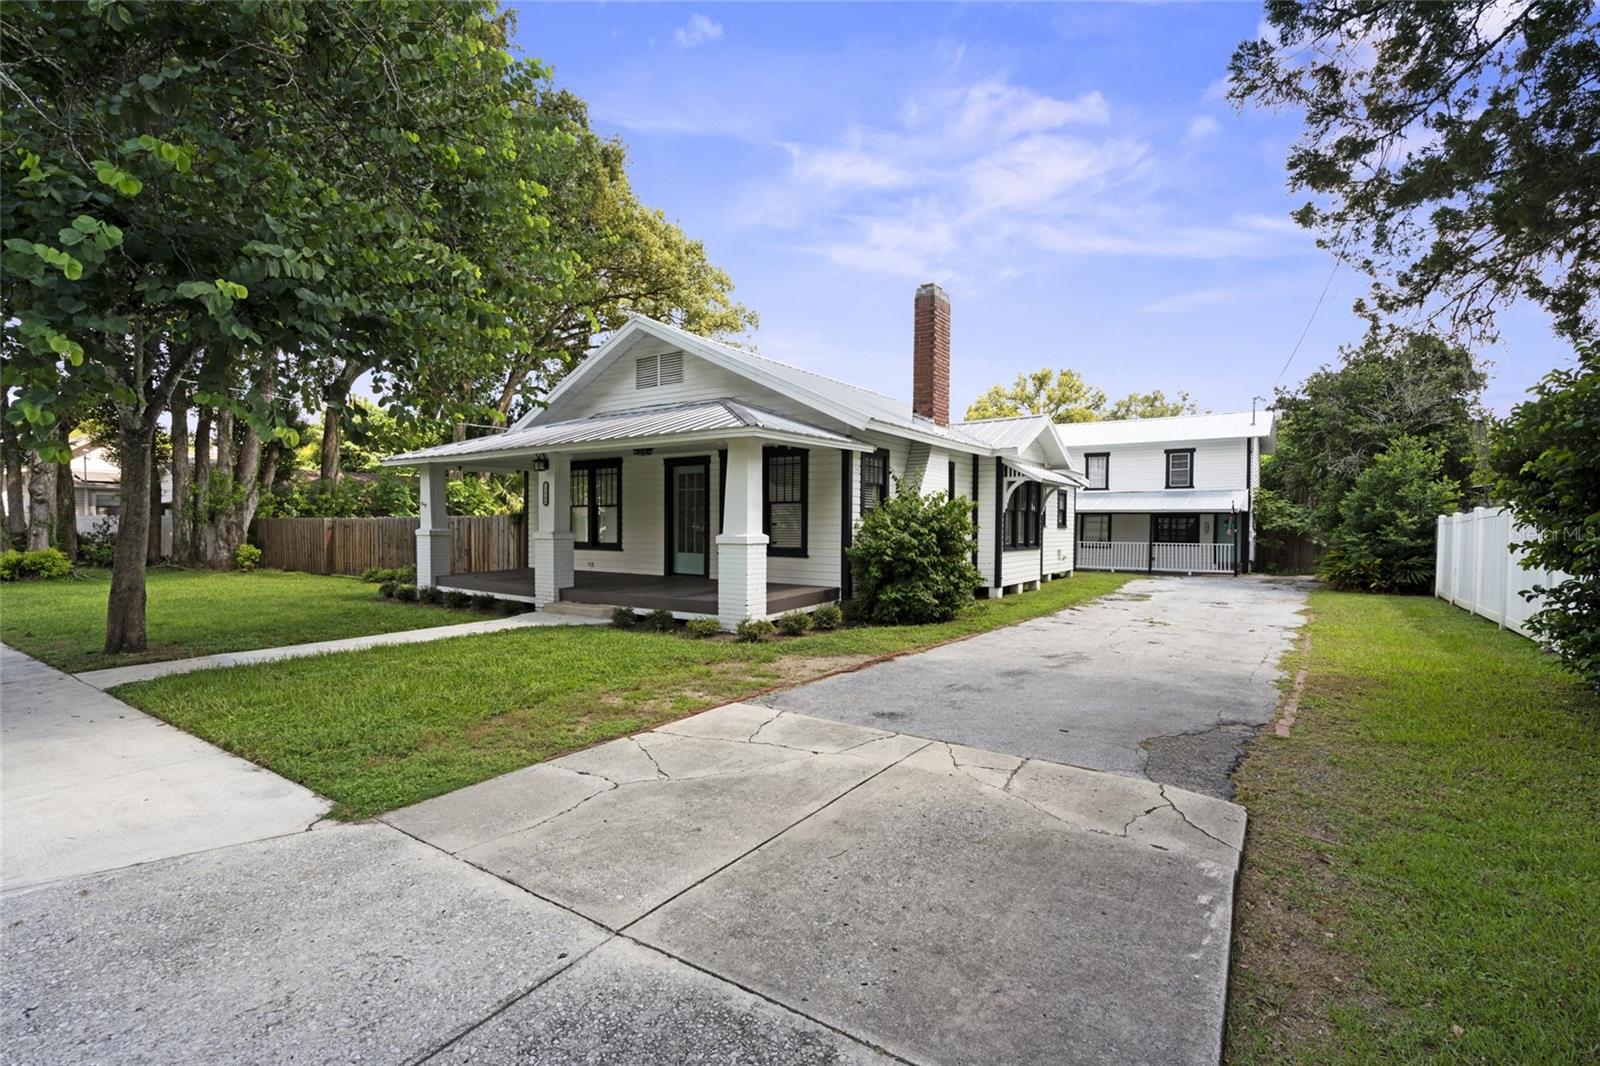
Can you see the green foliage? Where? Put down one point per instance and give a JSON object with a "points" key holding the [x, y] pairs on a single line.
{"points": [[406, 593], [660, 620], [911, 559], [1449, 148], [794, 623], [377, 574], [44, 563], [1061, 394], [98, 546], [389, 589], [485, 602], [246, 557], [430, 594], [1385, 541], [702, 628], [457, 599], [387, 494], [753, 630], [1152, 404], [827, 617], [623, 617], [1547, 458]]}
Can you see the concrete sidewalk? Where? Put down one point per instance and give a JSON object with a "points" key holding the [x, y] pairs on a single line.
{"points": [[87, 783], [121, 675]]}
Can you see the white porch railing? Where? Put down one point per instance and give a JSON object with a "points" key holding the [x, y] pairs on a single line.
{"points": [[1167, 558]]}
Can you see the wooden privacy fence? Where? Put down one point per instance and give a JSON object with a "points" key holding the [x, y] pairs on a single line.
{"points": [[1478, 569], [351, 545]]}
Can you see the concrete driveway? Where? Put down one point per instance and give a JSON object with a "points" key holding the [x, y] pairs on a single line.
{"points": [[1166, 680]]}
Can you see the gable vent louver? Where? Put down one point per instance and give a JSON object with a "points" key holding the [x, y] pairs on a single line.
{"points": [[645, 372], [672, 368]]}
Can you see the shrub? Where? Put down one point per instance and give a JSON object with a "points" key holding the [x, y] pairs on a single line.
{"points": [[660, 620], [457, 599], [98, 547], [794, 623], [828, 616], [373, 575], [406, 593], [46, 563], [703, 628], [485, 602], [514, 607], [912, 560], [753, 630], [1388, 522], [430, 594], [388, 589], [246, 557], [623, 617]]}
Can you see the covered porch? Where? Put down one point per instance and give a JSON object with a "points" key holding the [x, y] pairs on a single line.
{"points": [[682, 594]]}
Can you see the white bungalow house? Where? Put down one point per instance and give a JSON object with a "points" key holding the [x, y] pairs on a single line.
{"points": [[670, 471], [1169, 494]]}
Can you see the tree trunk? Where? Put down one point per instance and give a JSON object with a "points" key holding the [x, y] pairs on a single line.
{"points": [[202, 483], [182, 505], [41, 502], [152, 547], [125, 621], [233, 526], [11, 454], [66, 501], [224, 433], [334, 398]]}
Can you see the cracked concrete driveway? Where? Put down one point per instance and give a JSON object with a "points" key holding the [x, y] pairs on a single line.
{"points": [[1167, 679]]}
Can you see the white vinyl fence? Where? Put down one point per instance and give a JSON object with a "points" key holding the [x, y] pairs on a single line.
{"points": [[1478, 569]]}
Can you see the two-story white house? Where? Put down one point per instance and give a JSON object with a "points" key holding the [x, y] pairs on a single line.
{"points": [[1169, 494]]}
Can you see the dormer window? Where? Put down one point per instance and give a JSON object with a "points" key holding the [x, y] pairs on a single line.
{"points": [[650, 371]]}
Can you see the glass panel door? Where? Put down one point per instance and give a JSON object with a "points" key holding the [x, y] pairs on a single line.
{"points": [[691, 533]]}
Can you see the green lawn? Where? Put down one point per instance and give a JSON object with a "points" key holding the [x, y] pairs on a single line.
{"points": [[1422, 870], [386, 727], [201, 612]]}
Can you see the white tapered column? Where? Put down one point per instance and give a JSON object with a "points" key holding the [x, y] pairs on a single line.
{"points": [[551, 541], [742, 547], [433, 531]]}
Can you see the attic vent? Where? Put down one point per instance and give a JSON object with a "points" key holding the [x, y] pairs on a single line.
{"points": [[644, 372], [672, 368]]}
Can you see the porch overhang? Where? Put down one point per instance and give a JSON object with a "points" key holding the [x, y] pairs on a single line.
{"points": [[1181, 500]]}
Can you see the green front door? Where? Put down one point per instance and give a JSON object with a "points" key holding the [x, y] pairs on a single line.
{"points": [[690, 514]]}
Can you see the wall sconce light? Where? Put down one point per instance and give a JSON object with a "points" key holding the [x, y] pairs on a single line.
{"points": [[541, 462]]}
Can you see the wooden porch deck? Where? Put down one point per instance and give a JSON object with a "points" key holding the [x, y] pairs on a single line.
{"points": [[646, 592]]}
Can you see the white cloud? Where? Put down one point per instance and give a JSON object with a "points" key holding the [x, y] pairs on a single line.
{"points": [[1195, 298], [697, 31], [994, 108], [1200, 127], [844, 168]]}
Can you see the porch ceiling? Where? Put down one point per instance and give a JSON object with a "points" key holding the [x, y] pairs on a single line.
{"points": [[1095, 502]]}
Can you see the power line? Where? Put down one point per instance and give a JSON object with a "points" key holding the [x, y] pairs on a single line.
{"points": [[1296, 350]]}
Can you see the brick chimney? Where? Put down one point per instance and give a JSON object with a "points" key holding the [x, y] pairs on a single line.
{"points": [[930, 355]]}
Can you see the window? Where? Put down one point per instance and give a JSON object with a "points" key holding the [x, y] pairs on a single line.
{"points": [[1063, 502], [107, 503], [1180, 468], [874, 480], [783, 500], [950, 473], [1177, 529], [597, 504], [1095, 527], [1022, 516], [1097, 466]]}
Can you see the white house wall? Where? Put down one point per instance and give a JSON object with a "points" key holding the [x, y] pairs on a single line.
{"points": [[821, 564], [1218, 464], [1059, 542]]}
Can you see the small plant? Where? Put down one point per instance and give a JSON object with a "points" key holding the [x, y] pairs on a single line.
{"points": [[246, 557], [457, 599], [514, 607], [98, 547], [377, 575], [660, 620], [828, 616], [431, 594], [405, 593], [703, 628], [485, 602], [388, 589], [45, 563], [623, 617], [373, 575], [794, 623], [754, 630]]}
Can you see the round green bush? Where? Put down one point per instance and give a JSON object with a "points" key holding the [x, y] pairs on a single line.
{"points": [[623, 617], [485, 602], [660, 620], [406, 593], [753, 630], [43, 563], [430, 594], [912, 560], [246, 557], [457, 599], [826, 617], [794, 623], [702, 628], [388, 589]]}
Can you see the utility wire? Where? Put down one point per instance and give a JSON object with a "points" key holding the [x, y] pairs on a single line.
{"points": [[1296, 350]]}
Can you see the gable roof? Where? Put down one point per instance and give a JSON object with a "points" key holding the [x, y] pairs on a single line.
{"points": [[1240, 424]]}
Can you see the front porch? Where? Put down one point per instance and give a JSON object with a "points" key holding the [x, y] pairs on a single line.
{"points": [[684, 595]]}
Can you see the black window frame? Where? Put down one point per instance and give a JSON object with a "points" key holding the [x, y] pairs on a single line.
{"points": [[588, 467], [1083, 522], [1063, 520], [1024, 514], [1191, 522], [1167, 462], [1091, 486], [880, 456], [768, 454]]}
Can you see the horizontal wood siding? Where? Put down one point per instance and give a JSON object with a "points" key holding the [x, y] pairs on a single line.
{"points": [[820, 565], [644, 483], [1218, 464], [1058, 543], [351, 545]]}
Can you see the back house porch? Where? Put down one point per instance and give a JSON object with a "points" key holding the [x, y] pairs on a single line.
{"points": [[1214, 542]]}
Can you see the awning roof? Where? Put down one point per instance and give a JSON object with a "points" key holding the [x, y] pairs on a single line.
{"points": [[1184, 500], [703, 418], [1035, 472]]}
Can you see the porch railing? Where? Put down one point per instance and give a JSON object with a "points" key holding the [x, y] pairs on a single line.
{"points": [[1158, 557]]}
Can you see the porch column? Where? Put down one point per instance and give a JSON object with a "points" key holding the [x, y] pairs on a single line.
{"points": [[550, 544], [433, 531], [742, 547]]}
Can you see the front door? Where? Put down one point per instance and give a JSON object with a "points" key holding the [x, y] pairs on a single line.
{"points": [[689, 516]]}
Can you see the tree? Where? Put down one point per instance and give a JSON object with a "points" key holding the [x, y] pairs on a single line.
{"points": [[1450, 149], [1061, 394], [1547, 458], [1341, 418], [1385, 541], [1151, 405]]}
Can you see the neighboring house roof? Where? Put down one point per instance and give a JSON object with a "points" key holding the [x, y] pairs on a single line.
{"points": [[1094, 502], [678, 420], [1018, 431], [1082, 435]]}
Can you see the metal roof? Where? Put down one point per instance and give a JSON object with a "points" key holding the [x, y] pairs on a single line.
{"points": [[1063, 478], [669, 420], [1015, 432], [1090, 435], [1183, 500]]}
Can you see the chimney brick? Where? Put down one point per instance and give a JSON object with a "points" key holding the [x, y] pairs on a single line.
{"points": [[930, 367]]}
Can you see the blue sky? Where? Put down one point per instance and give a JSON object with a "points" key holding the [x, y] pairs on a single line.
{"points": [[1070, 174]]}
